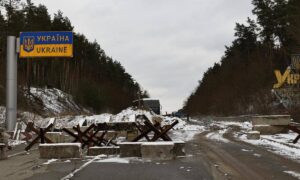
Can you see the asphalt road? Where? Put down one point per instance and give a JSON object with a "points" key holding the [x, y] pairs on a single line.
{"points": [[206, 159]]}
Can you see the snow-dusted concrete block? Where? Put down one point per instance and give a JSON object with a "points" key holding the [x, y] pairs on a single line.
{"points": [[67, 138], [3, 154], [60, 150], [156, 119], [270, 130], [56, 137], [271, 120], [253, 135], [179, 148], [158, 150], [111, 134], [107, 150], [130, 135], [59, 137], [130, 149]]}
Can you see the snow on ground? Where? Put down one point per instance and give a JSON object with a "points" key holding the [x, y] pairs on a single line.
{"points": [[286, 139], [280, 143], [182, 131], [13, 143], [50, 161], [54, 100], [114, 160], [225, 124], [219, 128], [69, 176], [127, 115], [294, 174], [218, 136], [283, 146]]}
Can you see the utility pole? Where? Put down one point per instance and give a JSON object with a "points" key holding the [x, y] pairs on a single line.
{"points": [[11, 83]]}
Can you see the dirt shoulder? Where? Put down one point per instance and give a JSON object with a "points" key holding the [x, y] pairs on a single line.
{"points": [[240, 160]]}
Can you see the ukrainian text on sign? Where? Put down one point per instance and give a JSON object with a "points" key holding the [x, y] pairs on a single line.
{"points": [[46, 44]]}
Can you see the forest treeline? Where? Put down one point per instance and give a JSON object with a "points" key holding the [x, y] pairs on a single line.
{"points": [[241, 82], [92, 77]]}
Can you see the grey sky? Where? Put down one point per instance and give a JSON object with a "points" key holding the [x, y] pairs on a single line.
{"points": [[166, 45]]}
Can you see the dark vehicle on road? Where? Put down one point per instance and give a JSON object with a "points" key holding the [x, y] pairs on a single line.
{"points": [[151, 104], [179, 114]]}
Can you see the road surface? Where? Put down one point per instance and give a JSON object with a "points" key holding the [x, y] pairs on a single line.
{"points": [[205, 159]]}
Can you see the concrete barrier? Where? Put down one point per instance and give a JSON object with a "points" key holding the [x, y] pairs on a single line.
{"points": [[271, 120], [111, 134], [130, 149], [253, 135], [59, 137], [55, 137], [3, 154], [60, 150], [179, 148], [157, 150], [270, 130], [131, 135], [107, 150], [156, 119]]}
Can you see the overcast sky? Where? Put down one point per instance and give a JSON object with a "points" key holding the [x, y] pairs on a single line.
{"points": [[166, 45]]}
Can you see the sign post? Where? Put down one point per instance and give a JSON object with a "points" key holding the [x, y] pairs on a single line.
{"points": [[31, 45], [11, 84]]}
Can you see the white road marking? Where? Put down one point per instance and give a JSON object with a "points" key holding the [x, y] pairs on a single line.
{"points": [[21, 153], [81, 167]]}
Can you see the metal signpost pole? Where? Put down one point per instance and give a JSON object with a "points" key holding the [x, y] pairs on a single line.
{"points": [[11, 84]]}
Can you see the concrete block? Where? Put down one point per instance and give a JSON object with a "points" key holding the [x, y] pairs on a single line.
{"points": [[60, 150], [67, 138], [270, 130], [179, 148], [253, 135], [271, 120], [3, 154], [59, 137], [110, 134], [130, 149], [158, 150], [55, 137], [156, 119], [131, 135], [121, 133], [107, 150]]}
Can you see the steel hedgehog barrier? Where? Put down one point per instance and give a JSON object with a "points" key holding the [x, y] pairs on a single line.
{"points": [[97, 134]]}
